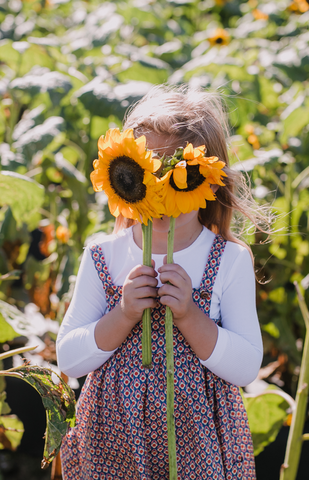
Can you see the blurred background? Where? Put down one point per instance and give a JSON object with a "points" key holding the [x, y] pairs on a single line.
{"points": [[68, 72]]}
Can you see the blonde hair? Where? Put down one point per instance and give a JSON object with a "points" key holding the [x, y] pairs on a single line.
{"points": [[184, 115]]}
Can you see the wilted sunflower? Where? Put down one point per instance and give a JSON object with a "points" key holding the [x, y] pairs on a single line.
{"points": [[124, 170], [187, 184]]}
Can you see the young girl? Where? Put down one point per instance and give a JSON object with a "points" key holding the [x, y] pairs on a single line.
{"points": [[121, 430]]}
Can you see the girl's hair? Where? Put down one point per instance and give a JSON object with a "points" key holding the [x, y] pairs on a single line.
{"points": [[181, 115]]}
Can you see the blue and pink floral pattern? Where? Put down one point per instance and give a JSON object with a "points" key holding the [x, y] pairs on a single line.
{"points": [[121, 430]]}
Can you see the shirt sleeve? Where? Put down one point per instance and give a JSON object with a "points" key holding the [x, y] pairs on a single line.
{"points": [[77, 351], [238, 353]]}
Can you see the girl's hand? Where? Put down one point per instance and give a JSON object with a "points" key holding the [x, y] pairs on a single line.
{"points": [[139, 292], [177, 294]]}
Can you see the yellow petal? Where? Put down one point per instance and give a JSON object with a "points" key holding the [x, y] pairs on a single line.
{"points": [[113, 203], [188, 152], [192, 154], [208, 193], [180, 175], [183, 202], [170, 202], [156, 164]]}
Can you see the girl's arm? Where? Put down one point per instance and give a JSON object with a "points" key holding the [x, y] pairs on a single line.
{"points": [[138, 293], [234, 351], [89, 335], [77, 351]]}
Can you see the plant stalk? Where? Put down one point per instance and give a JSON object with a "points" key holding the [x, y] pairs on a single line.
{"points": [[146, 334], [171, 436], [295, 439]]}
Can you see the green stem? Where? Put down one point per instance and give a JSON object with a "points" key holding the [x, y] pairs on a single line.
{"points": [[146, 334], [295, 438], [170, 369], [16, 351]]}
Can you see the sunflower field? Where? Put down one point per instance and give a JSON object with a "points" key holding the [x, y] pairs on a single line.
{"points": [[69, 70]]}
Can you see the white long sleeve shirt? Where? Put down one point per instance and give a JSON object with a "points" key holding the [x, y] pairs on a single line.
{"points": [[238, 351]]}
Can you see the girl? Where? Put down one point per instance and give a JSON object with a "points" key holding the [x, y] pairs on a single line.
{"points": [[121, 430]]}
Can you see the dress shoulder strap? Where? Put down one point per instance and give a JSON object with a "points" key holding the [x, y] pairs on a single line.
{"points": [[211, 271], [100, 266]]}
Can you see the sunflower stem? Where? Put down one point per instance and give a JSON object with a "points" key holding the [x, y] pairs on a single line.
{"points": [[171, 436], [146, 334]]}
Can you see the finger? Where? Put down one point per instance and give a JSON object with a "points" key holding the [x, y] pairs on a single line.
{"points": [[146, 292], [175, 279], [174, 267], [169, 290], [142, 270], [169, 301], [142, 281], [148, 303]]}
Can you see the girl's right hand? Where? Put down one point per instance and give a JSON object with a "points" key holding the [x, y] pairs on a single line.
{"points": [[139, 292]]}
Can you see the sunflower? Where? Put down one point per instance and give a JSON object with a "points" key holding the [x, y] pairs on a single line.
{"points": [[299, 6], [220, 37], [259, 15], [124, 170], [187, 184]]}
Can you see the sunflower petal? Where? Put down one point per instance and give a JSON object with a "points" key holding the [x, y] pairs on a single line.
{"points": [[180, 175], [182, 200]]}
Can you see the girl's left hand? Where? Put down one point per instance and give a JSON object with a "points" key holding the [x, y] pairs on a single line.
{"points": [[177, 294]]}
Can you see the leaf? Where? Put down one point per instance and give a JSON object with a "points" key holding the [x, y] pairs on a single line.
{"points": [[7, 332], [8, 54], [261, 158], [22, 194], [39, 137], [29, 120], [266, 414], [103, 100], [11, 432], [294, 123], [13, 275], [58, 401], [8, 159], [138, 71], [41, 80], [4, 407], [101, 34], [68, 169], [13, 322]]}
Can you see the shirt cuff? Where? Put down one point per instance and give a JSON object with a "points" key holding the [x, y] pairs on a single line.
{"points": [[218, 352]]}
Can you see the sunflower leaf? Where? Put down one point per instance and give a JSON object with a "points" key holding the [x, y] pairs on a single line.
{"points": [[59, 403], [11, 432], [39, 137], [103, 100], [22, 194]]}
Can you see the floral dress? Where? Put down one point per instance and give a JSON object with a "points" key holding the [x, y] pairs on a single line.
{"points": [[121, 429]]}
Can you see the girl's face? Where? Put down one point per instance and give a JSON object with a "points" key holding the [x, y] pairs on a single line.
{"points": [[183, 221]]}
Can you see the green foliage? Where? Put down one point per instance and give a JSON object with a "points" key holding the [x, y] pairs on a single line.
{"points": [[58, 400], [11, 428], [266, 415], [11, 431], [22, 194], [69, 72]]}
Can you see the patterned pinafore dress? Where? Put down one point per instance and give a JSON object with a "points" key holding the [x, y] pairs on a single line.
{"points": [[121, 430]]}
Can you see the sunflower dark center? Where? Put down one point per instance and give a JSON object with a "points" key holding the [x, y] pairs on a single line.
{"points": [[126, 178], [194, 179], [219, 40]]}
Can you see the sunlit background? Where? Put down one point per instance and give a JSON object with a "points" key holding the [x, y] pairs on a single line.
{"points": [[68, 72]]}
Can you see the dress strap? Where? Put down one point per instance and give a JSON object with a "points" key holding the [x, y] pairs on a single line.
{"points": [[211, 271], [101, 267]]}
